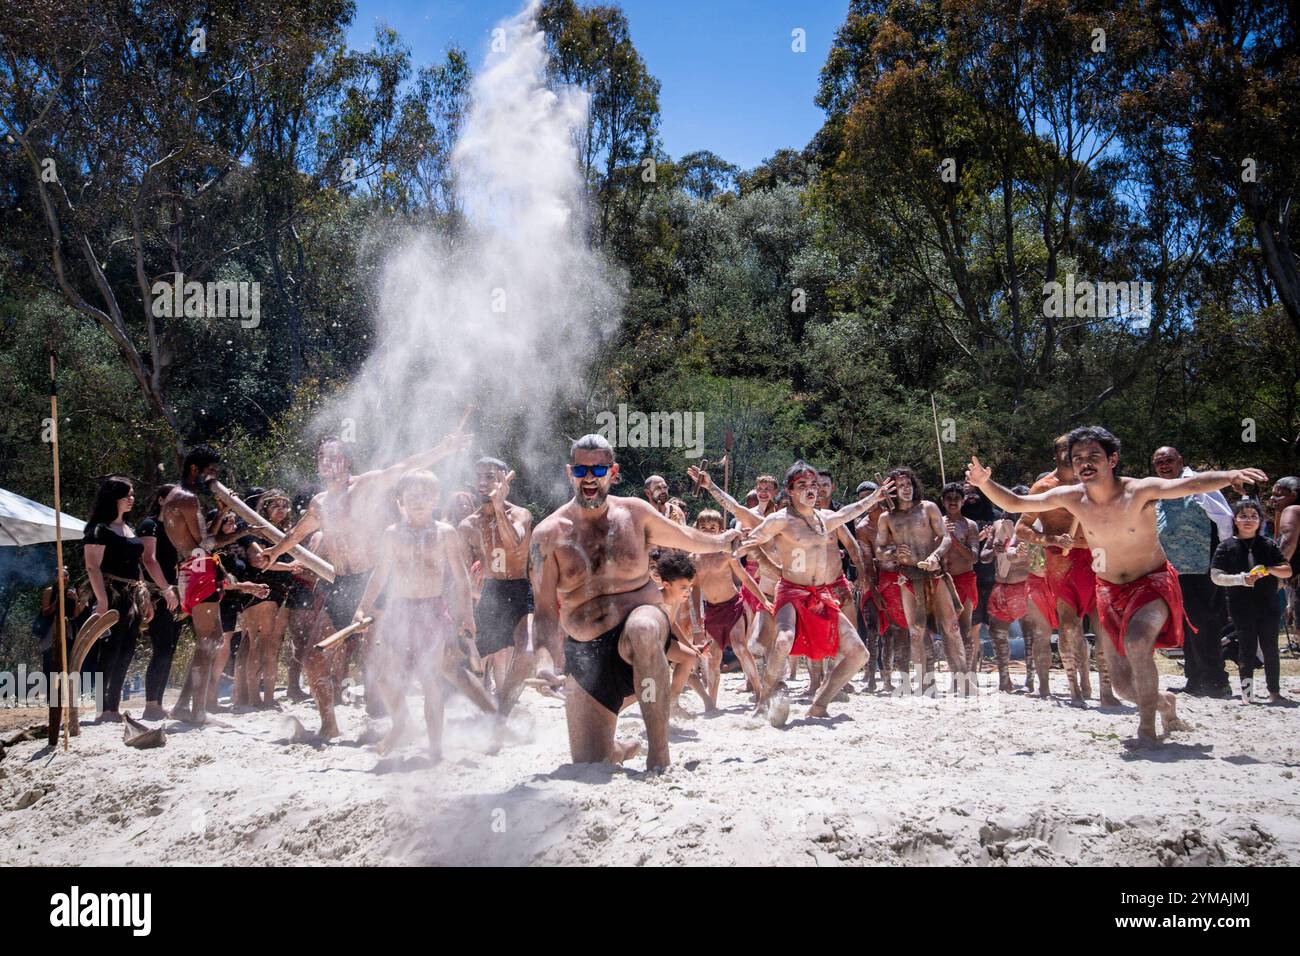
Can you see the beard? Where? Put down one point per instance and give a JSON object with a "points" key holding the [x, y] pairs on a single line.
{"points": [[594, 503]]}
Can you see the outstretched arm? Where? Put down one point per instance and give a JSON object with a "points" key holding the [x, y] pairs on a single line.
{"points": [[456, 441], [747, 517], [1152, 489], [1007, 500], [860, 507], [667, 533]]}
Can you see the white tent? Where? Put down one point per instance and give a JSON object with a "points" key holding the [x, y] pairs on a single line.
{"points": [[24, 522]]}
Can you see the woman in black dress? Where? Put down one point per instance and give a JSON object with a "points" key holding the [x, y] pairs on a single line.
{"points": [[1249, 566], [115, 558]]}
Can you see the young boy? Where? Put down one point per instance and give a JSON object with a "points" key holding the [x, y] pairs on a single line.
{"points": [[720, 604], [417, 632], [1010, 596]]}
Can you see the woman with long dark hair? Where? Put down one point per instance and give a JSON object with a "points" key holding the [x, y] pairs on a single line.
{"points": [[1249, 565], [115, 558], [265, 620]]}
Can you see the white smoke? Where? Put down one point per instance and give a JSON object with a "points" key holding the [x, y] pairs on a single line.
{"points": [[507, 314]]}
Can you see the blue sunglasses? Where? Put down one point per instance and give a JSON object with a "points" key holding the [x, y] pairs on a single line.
{"points": [[580, 471]]}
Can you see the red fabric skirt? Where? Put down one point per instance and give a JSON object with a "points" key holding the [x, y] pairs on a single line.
{"points": [[1072, 578], [1117, 603], [817, 618], [890, 584], [967, 588], [1008, 602], [197, 580], [1040, 592], [719, 619]]}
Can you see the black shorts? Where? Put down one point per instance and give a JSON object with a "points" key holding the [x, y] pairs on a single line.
{"points": [[500, 608], [985, 586], [599, 670], [343, 596]]}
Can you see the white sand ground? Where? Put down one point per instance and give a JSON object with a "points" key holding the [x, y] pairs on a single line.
{"points": [[1009, 780]]}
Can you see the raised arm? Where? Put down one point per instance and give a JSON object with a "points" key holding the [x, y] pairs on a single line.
{"points": [[1007, 500], [389, 476], [747, 517], [860, 507]]}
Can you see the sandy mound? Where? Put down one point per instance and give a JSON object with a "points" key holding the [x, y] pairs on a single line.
{"points": [[1006, 780]]}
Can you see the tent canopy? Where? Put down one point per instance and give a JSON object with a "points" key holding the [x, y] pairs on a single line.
{"points": [[24, 522]]}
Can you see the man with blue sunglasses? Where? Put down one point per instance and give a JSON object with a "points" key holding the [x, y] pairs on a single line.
{"points": [[590, 567]]}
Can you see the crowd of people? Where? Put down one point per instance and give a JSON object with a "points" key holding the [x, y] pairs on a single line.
{"points": [[611, 601]]}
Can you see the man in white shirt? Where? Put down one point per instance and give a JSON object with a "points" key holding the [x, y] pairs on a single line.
{"points": [[1190, 528]]}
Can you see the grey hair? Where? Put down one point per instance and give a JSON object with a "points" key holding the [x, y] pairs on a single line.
{"points": [[1290, 483], [592, 442]]}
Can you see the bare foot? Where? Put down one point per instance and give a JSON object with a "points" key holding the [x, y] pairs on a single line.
{"points": [[297, 696], [1076, 700], [778, 711], [817, 710], [435, 754], [1145, 740], [389, 742], [153, 711], [1169, 718], [328, 731], [1109, 700], [624, 750]]}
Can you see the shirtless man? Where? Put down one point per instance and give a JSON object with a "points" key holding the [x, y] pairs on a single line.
{"points": [[720, 603], [762, 629], [1071, 579], [809, 622], [1139, 605], [1010, 596], [416, 632], [347, 513], [590, 570], [199, 578], [921, 540], [882, 599], [959, 563], [656, 492], [1285, 502], [496, 535]]}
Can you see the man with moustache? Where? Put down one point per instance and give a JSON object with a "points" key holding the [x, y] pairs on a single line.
{"points": [[590, 568], [351, 514], [809, 622], [1139, 602], [1190, 530]]}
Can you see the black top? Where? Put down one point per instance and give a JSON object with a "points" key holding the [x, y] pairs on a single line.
{"points": [[121, 554], [1241, 554], [164, 549]]}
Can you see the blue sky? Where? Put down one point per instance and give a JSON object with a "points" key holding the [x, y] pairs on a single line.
{"points": [[729, 79]]}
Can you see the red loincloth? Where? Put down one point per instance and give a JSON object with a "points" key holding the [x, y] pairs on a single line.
{"points": [[197, 580], [1117, 603], [719, 619], [889, 584], [1008, 602], [968, 590], [817, 618], [1040, 592], [1072, 579]]}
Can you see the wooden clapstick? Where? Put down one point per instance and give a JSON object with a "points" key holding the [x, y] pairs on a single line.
{"points": [[344, 633], [260, 526]]}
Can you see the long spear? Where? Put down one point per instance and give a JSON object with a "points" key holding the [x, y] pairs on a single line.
{"points": [[943, 477], [65, 699]]}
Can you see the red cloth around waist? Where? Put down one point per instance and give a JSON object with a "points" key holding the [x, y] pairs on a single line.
{"points": [[817, 618], [1072, 578], [1117, 603], [890, 584], [197, 580], [968, 589], [1040, 592], [719, 619], [1008, 602]]}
